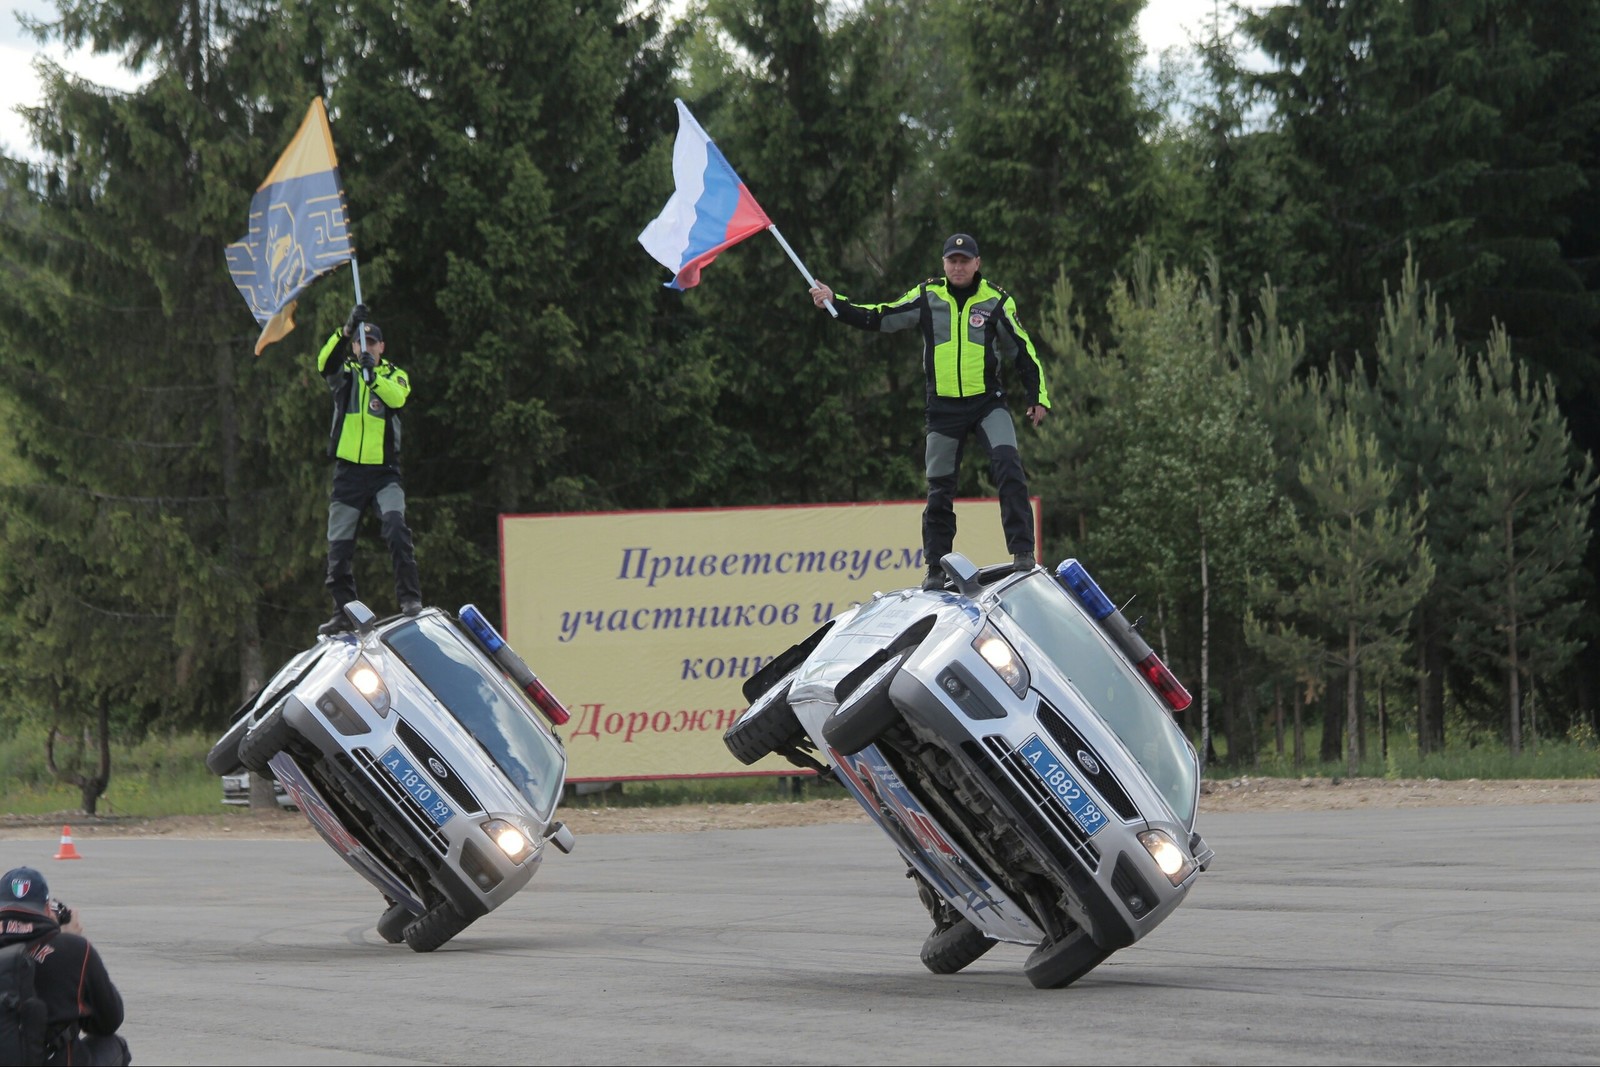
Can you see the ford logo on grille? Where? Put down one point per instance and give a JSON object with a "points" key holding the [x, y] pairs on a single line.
{"points": [[1088, 762], [441, 771]]}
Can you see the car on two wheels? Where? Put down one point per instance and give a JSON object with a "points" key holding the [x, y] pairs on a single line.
{"points": [[423, 750], [1014, 736]]}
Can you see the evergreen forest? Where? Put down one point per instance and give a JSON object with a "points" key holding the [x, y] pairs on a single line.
{"points": [[1317, 298]]}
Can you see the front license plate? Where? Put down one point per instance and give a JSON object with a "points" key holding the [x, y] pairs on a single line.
{"points": [[1060, 783], [421, 790]]}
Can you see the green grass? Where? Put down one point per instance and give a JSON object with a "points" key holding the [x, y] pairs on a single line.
{"points": [[1549, 759], [166, 775], [162, 775]]}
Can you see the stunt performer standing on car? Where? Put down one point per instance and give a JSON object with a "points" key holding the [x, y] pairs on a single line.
{"points": [[364, 443], [82, 1008], [968, 326]]}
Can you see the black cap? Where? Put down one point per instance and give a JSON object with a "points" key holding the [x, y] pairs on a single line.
{"points": [[374, 333], [24, 889], [961, 244]]}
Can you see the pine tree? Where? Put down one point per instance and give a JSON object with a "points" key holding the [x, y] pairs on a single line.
{"points": [[1512, 461], [1411, 406], [1363, 568]]}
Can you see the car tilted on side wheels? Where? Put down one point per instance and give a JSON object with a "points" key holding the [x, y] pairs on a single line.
{"points": [[1013, 735], [422, 750]]}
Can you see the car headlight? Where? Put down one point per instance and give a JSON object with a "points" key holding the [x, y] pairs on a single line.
{"points": [[509, 839], [1173, 861], [998, 653], [369, 683]]}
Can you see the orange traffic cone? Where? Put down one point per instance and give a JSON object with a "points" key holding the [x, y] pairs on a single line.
{"points": [[68, 851]]}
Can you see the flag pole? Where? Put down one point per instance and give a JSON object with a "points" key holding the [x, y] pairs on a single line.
{"points": [[773, 229], [355, 274]]}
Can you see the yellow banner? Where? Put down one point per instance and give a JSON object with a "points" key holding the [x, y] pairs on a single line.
{"points": [[647, 623]]}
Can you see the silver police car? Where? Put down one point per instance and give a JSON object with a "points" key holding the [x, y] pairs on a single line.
{"points": [[423, 750], [1013, 734]]}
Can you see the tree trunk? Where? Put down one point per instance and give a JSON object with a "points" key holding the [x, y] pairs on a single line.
{"points": [[91, 787], [1299, 732], [1352, 703], [1277, 717], [1513, 670], [1423, 736], [1332, 723], [262, 794], [1205, 652], [1383, 727]]}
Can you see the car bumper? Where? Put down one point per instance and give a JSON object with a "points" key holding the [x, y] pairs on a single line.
{"points": [[1111, 885], [460, 860]]}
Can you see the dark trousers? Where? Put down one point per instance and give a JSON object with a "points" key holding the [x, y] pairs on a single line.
{"points": [[355, 489], [991, 424]]}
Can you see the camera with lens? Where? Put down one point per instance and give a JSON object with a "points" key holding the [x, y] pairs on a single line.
{"points": [[62, 913]]}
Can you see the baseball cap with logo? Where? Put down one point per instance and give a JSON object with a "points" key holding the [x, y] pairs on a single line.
{"points": [[374, 333], [24, 888], [961, 244]]}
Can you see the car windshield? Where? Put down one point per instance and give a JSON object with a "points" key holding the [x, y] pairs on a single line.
{"points": [[438, 655], [1108, 683]]}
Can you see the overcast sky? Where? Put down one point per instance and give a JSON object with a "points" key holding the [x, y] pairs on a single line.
{"points": [[1164, 23]]}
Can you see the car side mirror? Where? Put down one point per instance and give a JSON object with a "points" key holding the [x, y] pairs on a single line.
{"points": [[561, 837], [963, 572], [360, 616]]}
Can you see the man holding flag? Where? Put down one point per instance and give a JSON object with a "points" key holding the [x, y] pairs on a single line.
{"points": [[298, 232]]}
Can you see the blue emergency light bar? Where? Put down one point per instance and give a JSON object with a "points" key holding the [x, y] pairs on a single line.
{"points": [[1071, 574], [481, 628]]}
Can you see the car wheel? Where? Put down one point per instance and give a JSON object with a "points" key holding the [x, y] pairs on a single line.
{"points": [[947, 951], [768, 726], [392, 924], [867, 713], [434, 927], [1057, 964], [224, 755], [270, 737]]}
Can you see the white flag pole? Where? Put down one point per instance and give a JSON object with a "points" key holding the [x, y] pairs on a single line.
{"points": [[355, 274], [773, 229]]}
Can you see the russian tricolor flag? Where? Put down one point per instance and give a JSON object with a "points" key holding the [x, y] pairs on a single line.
{"points": [[710, 208]]}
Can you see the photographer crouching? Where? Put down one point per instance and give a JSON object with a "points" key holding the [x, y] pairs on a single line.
{"points": [[71, 1013]]}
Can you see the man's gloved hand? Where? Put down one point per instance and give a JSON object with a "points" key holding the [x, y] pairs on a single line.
{"points": [[369, 368], [358, 315]]}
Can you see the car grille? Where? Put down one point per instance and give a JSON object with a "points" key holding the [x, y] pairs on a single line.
{"points": [[425, 827], [1103, 781], [1026, 794], [449, 781]]}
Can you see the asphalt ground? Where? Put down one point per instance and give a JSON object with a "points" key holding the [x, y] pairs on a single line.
{"points": [[1439, 935]]}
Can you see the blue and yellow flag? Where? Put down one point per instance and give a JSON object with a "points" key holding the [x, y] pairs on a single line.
{"points": [[298, 229]]}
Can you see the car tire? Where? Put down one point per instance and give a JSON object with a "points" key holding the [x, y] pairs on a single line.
{"points": [[434, 927], [270, 737], [1057, 964], [392, 924], [949, 950], [224, 755], [769, 725], [867, 713]]}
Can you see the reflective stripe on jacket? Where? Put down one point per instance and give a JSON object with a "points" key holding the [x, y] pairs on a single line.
{"points": [[962, 345], [366, 421]]}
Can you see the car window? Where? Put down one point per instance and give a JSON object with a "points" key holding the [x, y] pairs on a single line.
{"points": [[438, 655], [1108, 683]]}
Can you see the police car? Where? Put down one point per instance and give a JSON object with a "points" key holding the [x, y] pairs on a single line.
{"points": [[1014, 736], [423, 750]]}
